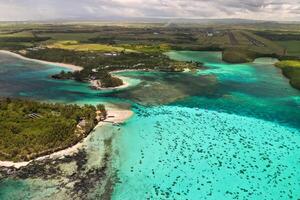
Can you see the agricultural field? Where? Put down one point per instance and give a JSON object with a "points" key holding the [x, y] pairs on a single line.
{"points": [[147, 38], [74, 45], [292, 47], [288, 40], [80, 37]]}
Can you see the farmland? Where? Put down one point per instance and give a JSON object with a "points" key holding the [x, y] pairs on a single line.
{"points": [[74, 45]]}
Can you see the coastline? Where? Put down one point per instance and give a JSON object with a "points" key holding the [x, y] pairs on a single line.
{"points": [[93, 83], [68, 66], [115, 116]]}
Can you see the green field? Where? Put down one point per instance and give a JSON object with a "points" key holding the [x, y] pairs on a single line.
{"points": [[74, 45], [288, 63], [82, 37], [291, 69], [17, 34], [292, 47]]}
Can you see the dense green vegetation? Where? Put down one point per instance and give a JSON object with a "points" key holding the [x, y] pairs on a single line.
{"points": [[233, 55], [23, 39], [30, 129], [101, 48], [85, 59], [288, 40], [292, 47], [16, 40], [74, 45], [280, 36], [97, 65], [291, 69]]}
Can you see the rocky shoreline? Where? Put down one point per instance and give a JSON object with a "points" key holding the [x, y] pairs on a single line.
{"points": [[82, 180], [75, 176], [55, 152]]}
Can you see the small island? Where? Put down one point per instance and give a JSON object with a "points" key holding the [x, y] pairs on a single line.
{"points": [[31, 129]]}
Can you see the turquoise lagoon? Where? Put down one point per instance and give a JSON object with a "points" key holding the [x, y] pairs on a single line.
{"points": [[225, 132]]}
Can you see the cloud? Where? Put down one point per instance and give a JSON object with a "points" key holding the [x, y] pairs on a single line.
{"points": [[104, 9]]}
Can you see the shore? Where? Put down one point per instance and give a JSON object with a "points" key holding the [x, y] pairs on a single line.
{"points": [[68, 66], [96, 84], [114, 116]]}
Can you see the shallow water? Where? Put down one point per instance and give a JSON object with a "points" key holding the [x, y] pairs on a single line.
{"points": [[171, 152], [226, 132], [238, 141], [27, 79]]}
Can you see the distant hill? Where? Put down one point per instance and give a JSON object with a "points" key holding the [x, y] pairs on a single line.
{"points": [[225, 21]]}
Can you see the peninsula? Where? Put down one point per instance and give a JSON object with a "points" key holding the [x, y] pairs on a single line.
{"points": [[31, 129]]}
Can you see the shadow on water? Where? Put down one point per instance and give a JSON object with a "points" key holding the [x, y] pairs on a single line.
{"points": [[159, 88]]}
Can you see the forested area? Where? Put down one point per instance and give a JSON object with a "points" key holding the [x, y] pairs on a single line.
{"points": [[279, 36], [291, 69], [23, 39], [29, 129], [97, 65]]}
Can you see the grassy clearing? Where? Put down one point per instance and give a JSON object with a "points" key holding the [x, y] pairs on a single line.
{"points": [[76, 46], [270, 46], [15, 45], [83, 37], [148, 48], [220, 40], [291, 69], [288, 63], [292, 47], [18, 34], [238, 55], [241, 39]]}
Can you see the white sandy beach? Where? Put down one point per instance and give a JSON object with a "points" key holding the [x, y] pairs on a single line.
{"points": [[68, 66], [118, 116], [133, 70], [114, 116], [94, 83]]}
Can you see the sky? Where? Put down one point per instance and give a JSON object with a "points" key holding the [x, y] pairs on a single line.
{"points": [[274, 10]]}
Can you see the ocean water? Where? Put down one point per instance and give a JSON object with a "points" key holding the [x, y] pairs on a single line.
{"points": [[238, 139], [26, 79], [226, 132], [172, 152]]}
